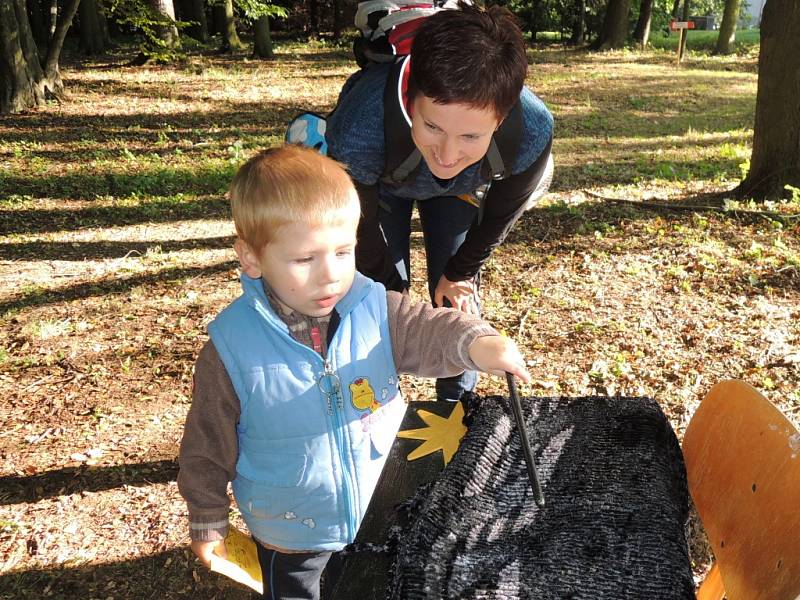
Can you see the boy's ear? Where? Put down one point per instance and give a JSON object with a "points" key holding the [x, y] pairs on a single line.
{"points": [[248, 259]]}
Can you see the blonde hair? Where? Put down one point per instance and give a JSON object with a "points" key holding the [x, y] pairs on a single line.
{"points": [[289, 184]]}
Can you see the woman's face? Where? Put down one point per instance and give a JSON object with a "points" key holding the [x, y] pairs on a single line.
{"points": [[451, 137]]}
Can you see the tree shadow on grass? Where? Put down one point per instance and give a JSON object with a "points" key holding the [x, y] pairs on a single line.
{"points": [[138, 89], [561, 220], [110, 286], [567, 178], [79, 251], [649, 114], [70, 480], [573, 226], [559, 229], [561, 54], [166, 183], [155, 181], [222, 123], [558, 221], [164, 210], [168, 575]]}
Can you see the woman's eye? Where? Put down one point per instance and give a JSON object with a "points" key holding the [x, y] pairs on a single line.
{"points": [[303, 259], [344, 253], [431, 126]]}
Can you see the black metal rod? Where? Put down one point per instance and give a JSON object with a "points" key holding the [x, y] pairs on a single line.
{"points": [[516, 405]]}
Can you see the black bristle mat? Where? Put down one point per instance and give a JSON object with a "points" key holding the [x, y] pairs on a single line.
{"points": [[612, 526]]}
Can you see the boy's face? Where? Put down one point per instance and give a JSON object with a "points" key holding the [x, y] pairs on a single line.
{"points": [[309, 268]]}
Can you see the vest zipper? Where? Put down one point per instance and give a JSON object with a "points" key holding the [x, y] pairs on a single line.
{"points": [[339, 432], [328, 371], [348, 481]]}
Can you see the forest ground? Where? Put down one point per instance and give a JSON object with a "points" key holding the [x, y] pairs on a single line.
{"points": [[115, 252]]}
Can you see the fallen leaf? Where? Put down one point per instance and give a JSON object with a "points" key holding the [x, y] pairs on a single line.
{"points": [[792, 359], [545, 385]]}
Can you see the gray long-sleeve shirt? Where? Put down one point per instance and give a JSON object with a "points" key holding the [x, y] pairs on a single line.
{"points": [[426, 341]]}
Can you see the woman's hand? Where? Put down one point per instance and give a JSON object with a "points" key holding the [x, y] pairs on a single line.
{"points": [[460, 294], [204, 551], [497, 355]]}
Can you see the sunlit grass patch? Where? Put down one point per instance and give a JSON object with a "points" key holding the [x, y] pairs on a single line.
{"points": [[47, 328], [746, 40]]}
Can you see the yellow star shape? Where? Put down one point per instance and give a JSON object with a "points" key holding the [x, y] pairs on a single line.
{"points": [[440, 434]]}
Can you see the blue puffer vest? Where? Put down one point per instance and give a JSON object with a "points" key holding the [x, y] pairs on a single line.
{"points": [[313, 434]]}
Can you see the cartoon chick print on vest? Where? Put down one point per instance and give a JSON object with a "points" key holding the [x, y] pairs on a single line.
{"points": [[363, 396]]}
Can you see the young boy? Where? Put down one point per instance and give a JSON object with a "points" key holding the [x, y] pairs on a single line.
{"points": [[296, 397]]}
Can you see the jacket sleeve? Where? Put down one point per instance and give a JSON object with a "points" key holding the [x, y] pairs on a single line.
{"points": [[431, 342], [503, 205], [209, 448], [372, 252]]}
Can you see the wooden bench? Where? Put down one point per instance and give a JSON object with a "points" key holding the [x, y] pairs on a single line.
{"points": [[743, 464]]}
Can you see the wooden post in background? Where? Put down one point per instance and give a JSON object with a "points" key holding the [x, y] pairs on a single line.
{"points": [[682, 44], [681, 27]]}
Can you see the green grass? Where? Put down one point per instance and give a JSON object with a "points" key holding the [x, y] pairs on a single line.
{"points": [[115, 238], [746, 41]]}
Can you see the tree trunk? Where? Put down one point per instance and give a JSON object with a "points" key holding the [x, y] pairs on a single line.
{"points": [[92, 40], [642, 32], [101, 19], [337, 19], [536, 18], [775, 161], [223, 16], [19, 78], [195, 11], [727, 29], [615, 25], [262, 43], [53, 17], [676, 6], [29, 48], [579, 24], [167, 33], [51, 73], [37, 23], [24, 83], [313, 19]]}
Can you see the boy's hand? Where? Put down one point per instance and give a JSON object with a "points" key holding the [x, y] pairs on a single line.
{"points": [[204, 550], [497, 354]]}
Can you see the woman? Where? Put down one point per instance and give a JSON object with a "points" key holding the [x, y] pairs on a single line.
{"points": [[452, 129]]}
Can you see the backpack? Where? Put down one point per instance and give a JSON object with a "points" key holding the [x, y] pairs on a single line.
{"points": [[308, 129], [387, 27], [387, 31]]}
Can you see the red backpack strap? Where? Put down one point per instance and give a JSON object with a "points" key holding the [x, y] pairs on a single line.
{"points": [[402, 36]]}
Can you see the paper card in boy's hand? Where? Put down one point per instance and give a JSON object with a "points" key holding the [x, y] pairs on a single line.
{"points": [[242, 562]]}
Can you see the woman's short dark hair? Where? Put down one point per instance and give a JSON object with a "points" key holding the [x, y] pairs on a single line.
{"points": [[472, 56]]}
